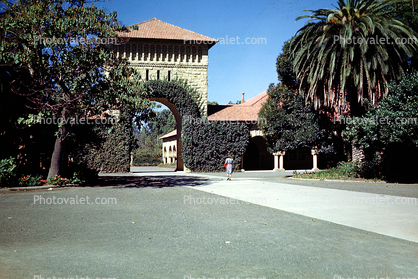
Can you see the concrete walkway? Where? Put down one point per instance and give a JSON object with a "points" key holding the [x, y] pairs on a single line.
{"points": [[393, 216], [390, 215]]}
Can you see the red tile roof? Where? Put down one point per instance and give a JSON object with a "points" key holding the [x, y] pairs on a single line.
{"points": [[157, 29], [248, 111]]}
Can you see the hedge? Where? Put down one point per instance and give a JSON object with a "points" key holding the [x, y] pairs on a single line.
{"points": [[206, 144]]}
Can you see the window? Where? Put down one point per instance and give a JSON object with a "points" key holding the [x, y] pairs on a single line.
{"points": [[139, 52], [176, 53], [194, 54], [152, 52], [181, 54], [146, 52], [164, 53], [158, 53], [169, 76], [188, 54], [199, 59], [133, 52], [158, 74], [146, 74], [121, 51], [170, 53], [128, 52]]}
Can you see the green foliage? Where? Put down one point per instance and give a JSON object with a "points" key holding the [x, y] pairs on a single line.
{"points": [[284, 67], [206, 144], [104, 148], [186, 99], [56, 180], [344, 171], [8, 172], [64, 71], [393, 120], [30, 180], [147, 157], [290, 123], [337, 70], [390, 129]]}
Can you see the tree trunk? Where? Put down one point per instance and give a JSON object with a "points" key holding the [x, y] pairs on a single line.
{"points": [[357, 154], [58, 155]]}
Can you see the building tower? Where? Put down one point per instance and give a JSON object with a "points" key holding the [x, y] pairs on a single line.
{"points": [[160, 50]]}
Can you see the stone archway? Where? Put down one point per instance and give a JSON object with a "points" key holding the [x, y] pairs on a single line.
{"points": [[180, 102]]}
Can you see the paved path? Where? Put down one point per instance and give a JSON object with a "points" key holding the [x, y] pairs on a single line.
{"points": [[388, 215], [391, 215], [156, 231]]}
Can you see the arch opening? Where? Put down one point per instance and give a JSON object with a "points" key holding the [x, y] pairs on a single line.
{"points": [[256, 156]]}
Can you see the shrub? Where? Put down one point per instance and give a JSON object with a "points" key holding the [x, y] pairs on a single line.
{"points": [[57, 180], [147, 157], [8, 172], [30, 180], [344, 170]]}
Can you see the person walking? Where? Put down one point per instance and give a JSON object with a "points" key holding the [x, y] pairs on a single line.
{"points": [[229, 166]]}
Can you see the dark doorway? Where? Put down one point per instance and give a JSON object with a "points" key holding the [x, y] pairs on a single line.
{"points": [[256, 157]]}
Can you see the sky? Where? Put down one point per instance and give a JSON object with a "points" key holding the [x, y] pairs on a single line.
{"points": [[233, 68]]}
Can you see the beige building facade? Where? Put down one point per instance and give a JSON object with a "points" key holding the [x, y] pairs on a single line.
{"points": [[159, 50]]}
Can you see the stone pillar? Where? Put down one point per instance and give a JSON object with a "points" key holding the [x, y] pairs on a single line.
{"points": [[314, 152], [278, 161]]}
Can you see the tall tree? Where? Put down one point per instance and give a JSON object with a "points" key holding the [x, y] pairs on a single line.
{"points": [[350, 53], [284, 67], [61, 45], [290, 123]]}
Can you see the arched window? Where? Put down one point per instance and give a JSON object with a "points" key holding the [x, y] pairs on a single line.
{"points": [[194, 54], [134, 54], [128, 51], [152, 53], [121, 51], [181, 54], [164, 53], [140, 53], [158, 53], [170, 53], [176, 54], [200, 55], [146, 53]]}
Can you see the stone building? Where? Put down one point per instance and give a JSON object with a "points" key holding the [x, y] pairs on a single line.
{"points": [[159, 50]]}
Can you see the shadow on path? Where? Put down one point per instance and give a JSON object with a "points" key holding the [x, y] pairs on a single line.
{"points": [[126, 181]]}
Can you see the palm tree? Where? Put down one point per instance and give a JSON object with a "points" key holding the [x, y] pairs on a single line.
{"points": [[344, 55]]}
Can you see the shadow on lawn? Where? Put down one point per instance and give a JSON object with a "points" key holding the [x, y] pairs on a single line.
{"points": [[155, 181]]}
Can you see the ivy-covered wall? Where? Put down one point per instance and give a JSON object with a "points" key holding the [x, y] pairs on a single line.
{"points": [[206, 144], [104, 148], [186, 99]]}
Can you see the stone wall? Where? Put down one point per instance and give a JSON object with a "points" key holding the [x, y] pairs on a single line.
{"points": [[167, 60]]}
